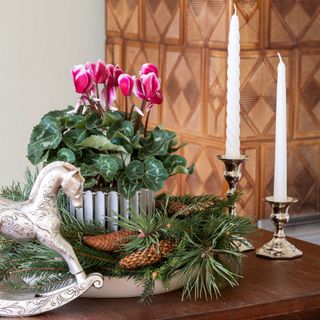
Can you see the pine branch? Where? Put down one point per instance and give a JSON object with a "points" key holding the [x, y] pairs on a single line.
{"points": [[149, 229]]}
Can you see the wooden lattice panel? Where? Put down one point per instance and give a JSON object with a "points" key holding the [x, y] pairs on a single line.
{"points": [[248, 205], [208, 175], [163, 21], [173, 185], [122, 18], [114, 52], [303, 173], [307, 114], [206, 23], [182, 108], [250, 23], [294, 22], [215, 87], [258, 93], [188, 40]]}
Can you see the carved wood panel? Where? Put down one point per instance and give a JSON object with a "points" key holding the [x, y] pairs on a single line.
{"points": [[206, 23], [187, 39], [163, 21], [258, 93], [123, 18], [294, 22], [307, 113], [182, 108]]}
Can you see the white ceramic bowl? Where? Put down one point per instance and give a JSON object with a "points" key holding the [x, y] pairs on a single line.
{"points": [[127, 288]]}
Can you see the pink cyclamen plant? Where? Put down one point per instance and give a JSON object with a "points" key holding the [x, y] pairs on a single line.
{"points": [[88, 79]]}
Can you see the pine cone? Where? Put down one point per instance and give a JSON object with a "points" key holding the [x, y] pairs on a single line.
{"points": [[109, 241], [201, 206], [185, 209], [148, 256], [174, 207]]}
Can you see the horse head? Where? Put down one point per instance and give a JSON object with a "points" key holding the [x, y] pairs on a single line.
{"points": [[72, 184]]}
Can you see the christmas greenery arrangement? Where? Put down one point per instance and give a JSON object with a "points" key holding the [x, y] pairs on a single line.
{"points": [[114, 150], [189, 235]]}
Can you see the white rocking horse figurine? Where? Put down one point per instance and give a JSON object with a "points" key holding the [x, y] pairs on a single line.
{"points": [[38, 218]]}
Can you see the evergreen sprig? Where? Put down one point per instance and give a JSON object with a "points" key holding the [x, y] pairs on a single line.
{"points": [[150, 230]]}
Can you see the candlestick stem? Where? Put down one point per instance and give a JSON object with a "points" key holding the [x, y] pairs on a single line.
{"points": [[232, 175], [279, 247]]}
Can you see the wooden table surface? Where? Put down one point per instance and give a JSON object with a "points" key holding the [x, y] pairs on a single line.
{"points": [[270, 289]]}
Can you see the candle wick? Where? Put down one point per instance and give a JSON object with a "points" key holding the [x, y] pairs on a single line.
{"points": [[280, 57], [235, 8]]}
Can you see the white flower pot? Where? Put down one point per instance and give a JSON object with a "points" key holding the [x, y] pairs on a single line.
{"points": [[99, 205]]}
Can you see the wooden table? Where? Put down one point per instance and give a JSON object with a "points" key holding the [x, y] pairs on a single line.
{"points": [[271, 289]]}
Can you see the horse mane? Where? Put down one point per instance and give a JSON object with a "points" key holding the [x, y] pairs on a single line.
{"points": [[44, 171]]}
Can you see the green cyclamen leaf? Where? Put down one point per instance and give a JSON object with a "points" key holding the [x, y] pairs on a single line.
{"points": [[155, 174], [173, 162], [110, 117], [123, 126], [89, 183], [108, 166], [128, 187], [74, 137], [156, 144], [45, 136], [135, 170], [57, 116], [65, 154], [87, 170], [75, 121], [93, 121], [101, 143]]}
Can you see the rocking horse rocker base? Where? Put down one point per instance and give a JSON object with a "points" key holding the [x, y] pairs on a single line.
{"points": [[38, 219], [30, 306]]}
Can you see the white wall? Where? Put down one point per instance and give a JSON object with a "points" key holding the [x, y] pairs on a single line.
{"points": [[40, 41]]}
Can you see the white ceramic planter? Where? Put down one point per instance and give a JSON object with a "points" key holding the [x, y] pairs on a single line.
{"points": [[127, 288], [99, 205]]}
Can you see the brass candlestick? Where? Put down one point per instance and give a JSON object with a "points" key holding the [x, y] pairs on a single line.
{"points": [[232, 174], [279, 247]]}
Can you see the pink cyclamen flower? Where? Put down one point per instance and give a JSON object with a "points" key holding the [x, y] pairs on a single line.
{"points": [[108, 95], [157, 99], [149, 67], [150, 84], [99, 71], [82, 78], [126, 83], [113, 73], [148, 88]]}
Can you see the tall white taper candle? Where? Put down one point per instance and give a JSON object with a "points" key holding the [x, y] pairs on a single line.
{"points": [[233, 90], [280, 163]]}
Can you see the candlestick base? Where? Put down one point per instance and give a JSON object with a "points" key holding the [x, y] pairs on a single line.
{"points": [[279, 247], [232, 175], [244, 245]]}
